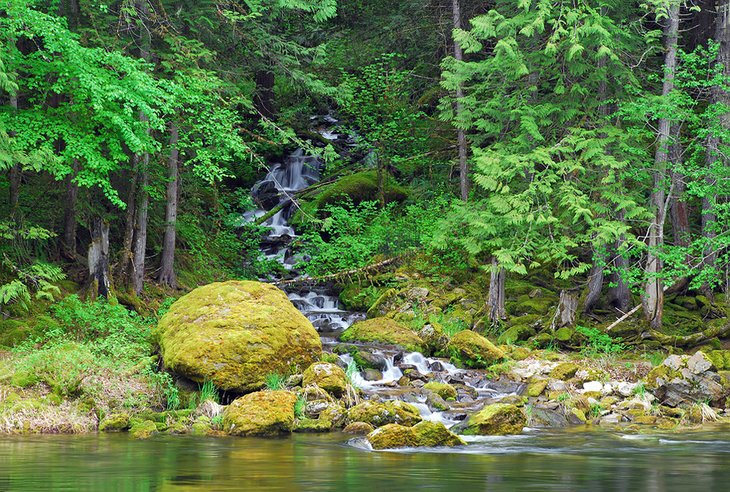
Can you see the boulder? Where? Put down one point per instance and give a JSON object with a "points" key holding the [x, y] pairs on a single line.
{"points": [[564, 371], [143, 429], [234, 334], [264, 413], [327, 376], [473, 350], [384, 330], [381, 413], [423, 434], [444, 390], [116, 422], [358, 428], [682, 379], [497, 419]]}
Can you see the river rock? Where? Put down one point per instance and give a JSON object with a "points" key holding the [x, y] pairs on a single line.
{"points": [[474, 350], [234, 334], [327, 376], [444, 390], [384, 330], [264, 413], [423, 434], [683, 379], [358, 429], [496, 419], [382, 413]]}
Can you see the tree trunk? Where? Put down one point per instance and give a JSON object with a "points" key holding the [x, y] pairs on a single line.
{"points": [[69, 215], [679, 209], [567, 307], [167, 267], [140, 232], [98, 258], [713, 155], [653, 299], [460, 135], [264, 96], [595, 281], [15, 172], [495, 300]]}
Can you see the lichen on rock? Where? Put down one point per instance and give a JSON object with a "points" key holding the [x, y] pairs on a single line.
{"points": [[473, 350], [381, 413], [496, 419], [327, 376], [264, 413], [384, 330]]}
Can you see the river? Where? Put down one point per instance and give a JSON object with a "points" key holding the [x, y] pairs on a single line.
{"points": [[557, 460]]}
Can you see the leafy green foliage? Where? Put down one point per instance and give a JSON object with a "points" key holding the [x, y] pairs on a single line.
{"points": [[599, 342]]}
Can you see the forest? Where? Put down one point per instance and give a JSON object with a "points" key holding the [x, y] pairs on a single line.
{"points": [[549, 175]]}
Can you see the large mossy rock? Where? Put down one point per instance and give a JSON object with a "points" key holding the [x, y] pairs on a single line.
{"points": [[498, 419], [384, 330], [423, 434], [381, 413], [264, 413], [473, 350], [234, 334], [327, 376]]}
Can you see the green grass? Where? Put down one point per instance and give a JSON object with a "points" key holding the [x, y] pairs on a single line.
{"points": [[274, 381]]}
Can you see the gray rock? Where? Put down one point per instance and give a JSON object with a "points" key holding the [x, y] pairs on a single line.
{"points": [[674, 362], [546, 417], [699, 363]]}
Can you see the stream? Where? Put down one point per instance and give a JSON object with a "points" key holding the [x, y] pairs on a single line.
{"points": [[556, 460]]}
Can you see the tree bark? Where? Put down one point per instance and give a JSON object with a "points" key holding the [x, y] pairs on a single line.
{"points": [[125, 260], [167, 267], [653, 298], [595, 281], [567, 308], [98, 258], [495, 299], [460, 134], [69, 215], [15, 172]]}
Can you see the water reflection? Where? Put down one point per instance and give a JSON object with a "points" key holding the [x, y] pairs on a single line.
{"points": [[537, 461]]}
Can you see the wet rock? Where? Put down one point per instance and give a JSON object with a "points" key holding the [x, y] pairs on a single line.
{"points": [[444, 390], [372, 375], [143, 429], [312, 425], [497, 419], [473, 350], [564, 371], [432, 434], [234, 334], [264, 413], [327, 376], [424, 434], [384, 330], [358, 428], [382, 413], [544, 416], [116, 422]]}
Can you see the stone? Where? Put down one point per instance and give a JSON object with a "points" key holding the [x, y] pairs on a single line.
{"points": [[591, 386], [312, 425], [384, 330], [433, 336], [423, 434], [496, 419], [564, 371], [536, 387], [626, 389], [473, 350], [381, 413], [358, 428], [541, 416], [444, 390], [235, 334], [264, 413], [674, 362], [327, 376], [433, 434], [116, 422], [699, 363], [143, 429], [516, 333], [372, 375]]}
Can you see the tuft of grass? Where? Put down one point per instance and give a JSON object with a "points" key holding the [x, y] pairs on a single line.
{"points": [[299, 406], [275, 381], [208, 391]]}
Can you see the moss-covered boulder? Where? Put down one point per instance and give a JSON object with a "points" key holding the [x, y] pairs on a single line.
{"points": [[312, 425], [384, 330], [516, 333], [473, 350], [720, 359], [444, 390], [564, 371], [327, 376], [358, 428], [143, 429], [423, 434], [264, 413], [234, 334], [116, 422], [381, 413], [497, 419]]}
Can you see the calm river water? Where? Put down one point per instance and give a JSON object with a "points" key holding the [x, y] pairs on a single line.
{"points": [[566, 460]]}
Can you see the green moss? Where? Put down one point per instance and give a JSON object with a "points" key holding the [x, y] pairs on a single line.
{"points": [[264, 413], [497, 419], [536, 387], [116, 422], [312, 425], [355, 297], [533, 305], [200, 428], [392, 436], [358, 428], [516, 333], [431, 434], [720, 359], [473, 350], [565, 334], [143, 429], [384, 330], [444, 390], [327, 376], [381, 413], [564, 371], [234, 334]]}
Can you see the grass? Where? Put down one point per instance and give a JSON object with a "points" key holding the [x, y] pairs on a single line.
{"points": [[208, 391], [274, 381], [299, 407]]}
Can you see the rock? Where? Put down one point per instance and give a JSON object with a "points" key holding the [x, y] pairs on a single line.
{"points": [[312, 425], [433, 336], [674, 362], [626, 389], [593, 386], [143, 429], [234, 334], [372, 375], [473, 350], [264, 413], [384, 330], [209, 408], [368, 360], [515, 334], [564, 371], [497, 419], [116, 422], [699, 363], [546, 417], [327, 376], [536, 387], [335, 413], [424, 434], [382, 413], [358, 429], [200, 428], [444, 390]]}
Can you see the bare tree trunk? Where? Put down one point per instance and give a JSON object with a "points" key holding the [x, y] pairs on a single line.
{"points": [[567, 308], [167, 268], [679, 209], [713, 155], [495, 300], [125, 260], [15, 172], [98, 258], [653, 299], [595, 281], [69, 214], [460, 135]]}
